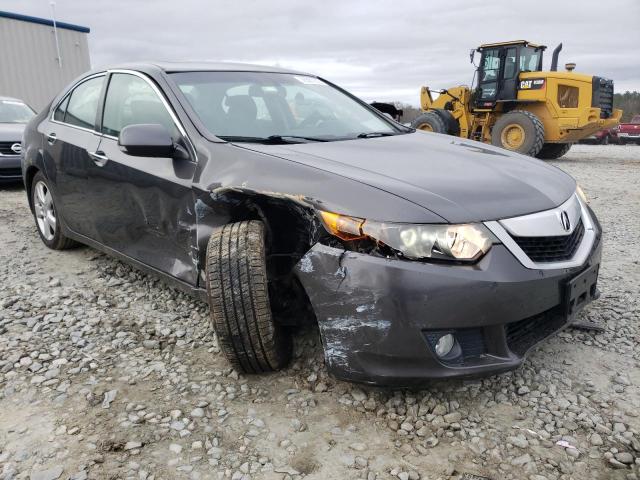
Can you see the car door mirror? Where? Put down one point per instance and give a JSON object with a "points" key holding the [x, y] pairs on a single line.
{"points": [[146, 140]]}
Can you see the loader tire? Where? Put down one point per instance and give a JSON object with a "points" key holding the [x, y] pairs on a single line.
{"points": [[549, 151], [519, 131], [429, 122], [451, 124], [238, 293]]}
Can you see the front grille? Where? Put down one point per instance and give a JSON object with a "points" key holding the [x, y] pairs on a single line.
{"points": [[5, 148], [602, 96], [552, 249], [524, 334], [10, 172]]}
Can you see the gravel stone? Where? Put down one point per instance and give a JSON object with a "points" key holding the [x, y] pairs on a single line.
{"points": [[50, 474], [108, 372]]}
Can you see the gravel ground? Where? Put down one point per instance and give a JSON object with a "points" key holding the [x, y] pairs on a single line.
{"points": [[107, 373]]}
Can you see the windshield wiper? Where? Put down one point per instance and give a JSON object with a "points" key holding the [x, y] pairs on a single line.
{"points": [[376, 134], [283, 138], [275, 139]]}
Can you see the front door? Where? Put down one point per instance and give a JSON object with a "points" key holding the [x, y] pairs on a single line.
{"points": [[143, 206], [488, 78]]}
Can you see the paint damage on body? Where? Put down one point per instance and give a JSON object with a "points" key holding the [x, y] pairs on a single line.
{"points": [[345, 327]]}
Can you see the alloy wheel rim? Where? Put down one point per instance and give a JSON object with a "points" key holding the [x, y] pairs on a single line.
{"points": [[44, 210], [512, 136]]}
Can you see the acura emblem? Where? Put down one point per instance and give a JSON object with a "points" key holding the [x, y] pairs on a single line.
{"points": [[564, 218], [16, 147]]}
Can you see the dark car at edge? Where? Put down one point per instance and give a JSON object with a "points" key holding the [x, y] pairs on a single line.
{"points": [[280, 199], [14, 116]]}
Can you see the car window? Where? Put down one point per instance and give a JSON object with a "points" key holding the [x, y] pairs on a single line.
{"points": [[131, 101], [510, 63], [258, 105], [62, 109], [83, 104], [13, 111]]}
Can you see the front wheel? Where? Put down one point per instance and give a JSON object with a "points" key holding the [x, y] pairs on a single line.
{"points": [[46, 215], [429, 122], [237, 288]]}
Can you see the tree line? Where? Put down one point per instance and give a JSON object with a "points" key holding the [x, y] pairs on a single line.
{"points": [[629, 102]]}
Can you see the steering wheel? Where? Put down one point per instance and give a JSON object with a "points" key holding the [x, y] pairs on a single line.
{"points": [[313, 120]]}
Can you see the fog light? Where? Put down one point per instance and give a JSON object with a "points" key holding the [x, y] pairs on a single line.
{"points": [[445, 345]]}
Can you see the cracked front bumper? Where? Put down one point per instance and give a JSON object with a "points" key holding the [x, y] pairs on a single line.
{"points": [[10, 169], [378, 317]]}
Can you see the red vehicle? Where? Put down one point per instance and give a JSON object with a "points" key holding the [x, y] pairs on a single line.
{"points": [[629, 132], [603, 137]]}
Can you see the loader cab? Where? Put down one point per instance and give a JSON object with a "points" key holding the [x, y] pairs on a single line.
{"points": [[499, 68]]}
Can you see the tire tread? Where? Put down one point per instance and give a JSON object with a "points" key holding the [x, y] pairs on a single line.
{"points": [[538, 129], [239, 299]]}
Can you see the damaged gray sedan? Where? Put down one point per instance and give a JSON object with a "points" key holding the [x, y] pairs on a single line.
{"points": [[280, 198]]}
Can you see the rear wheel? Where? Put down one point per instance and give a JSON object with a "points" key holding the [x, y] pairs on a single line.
{"points": [[237, 287], [519, 131], [553, 150], [46, 215], [429, 122]]}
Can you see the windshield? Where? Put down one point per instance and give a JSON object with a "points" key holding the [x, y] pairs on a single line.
{"points": [[259, 106], [530, 59], [12, 111]]}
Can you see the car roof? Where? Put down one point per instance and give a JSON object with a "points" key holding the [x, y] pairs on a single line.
{"points": [[511, 42], [12, 99], [170, 67]]}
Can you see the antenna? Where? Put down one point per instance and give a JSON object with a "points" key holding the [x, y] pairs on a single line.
{"points": [[55, 32]]}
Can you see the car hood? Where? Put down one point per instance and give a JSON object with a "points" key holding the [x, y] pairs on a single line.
{"points": [[11, 132], [459, 180]]}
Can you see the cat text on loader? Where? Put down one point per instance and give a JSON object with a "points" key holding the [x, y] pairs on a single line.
{"points": [[517, 106]]}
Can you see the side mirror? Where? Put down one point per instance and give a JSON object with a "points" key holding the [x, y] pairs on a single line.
{"points": [[146, 140]]}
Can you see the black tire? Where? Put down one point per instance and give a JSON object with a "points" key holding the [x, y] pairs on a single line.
{"points": [[451, 124], [549, 151], [529, 123], [238, 292], [52, 237], [430, 122]]}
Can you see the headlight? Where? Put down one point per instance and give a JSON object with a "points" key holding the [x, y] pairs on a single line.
{"points": [[466, 242], [582, 195]]}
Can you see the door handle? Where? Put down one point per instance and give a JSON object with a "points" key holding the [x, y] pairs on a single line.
{"points": [[51, 138], [99, 158]]}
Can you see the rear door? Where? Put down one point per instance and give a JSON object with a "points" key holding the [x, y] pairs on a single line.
{"points": [[70, 141], [143, 207]]}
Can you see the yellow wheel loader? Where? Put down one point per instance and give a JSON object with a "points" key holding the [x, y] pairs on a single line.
{"points": [[515, 105]]}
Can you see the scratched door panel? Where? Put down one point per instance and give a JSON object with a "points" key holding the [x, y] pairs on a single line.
{"points": [[144, 209]]}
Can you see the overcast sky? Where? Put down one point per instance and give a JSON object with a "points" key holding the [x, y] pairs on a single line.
{"points": [[378, 49]]}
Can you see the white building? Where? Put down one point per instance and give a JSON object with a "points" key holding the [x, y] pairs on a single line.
{"points": [[34, 64]]}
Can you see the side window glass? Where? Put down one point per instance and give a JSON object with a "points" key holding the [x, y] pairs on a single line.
{"points": [[131, 101], [510, 63], [83, 104], [61, 110], [491, 65]]}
